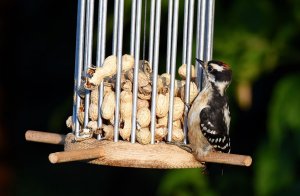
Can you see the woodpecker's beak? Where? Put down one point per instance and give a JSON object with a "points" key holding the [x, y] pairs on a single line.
{"points": [[201, 63], [203, 66]]}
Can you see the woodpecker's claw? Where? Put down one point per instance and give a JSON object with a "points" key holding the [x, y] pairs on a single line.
{"points": [[183, 146]]}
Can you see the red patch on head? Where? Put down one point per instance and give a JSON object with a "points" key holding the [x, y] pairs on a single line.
{"points": [[226, 66]]}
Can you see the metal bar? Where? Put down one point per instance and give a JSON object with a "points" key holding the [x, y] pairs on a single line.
{"points": [[136, 70], [88, 54], [78, 62], [102, 14], [202, 30], [99, 33], [133, 26], [144, 30], [103, 31], [169, 38], [199, 45], [89, 33], [98, 59], [188, 67], [155, 69], [102, 57], [103, 28], [173, 68], [185, 29], [202, 43], [115, 30], [210, 29], [119, 67], [151, 32], [198, 28]]}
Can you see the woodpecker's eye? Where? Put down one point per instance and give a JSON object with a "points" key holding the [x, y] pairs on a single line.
{"points": [[209, 68]]}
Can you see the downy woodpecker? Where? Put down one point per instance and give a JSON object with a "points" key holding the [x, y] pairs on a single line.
{"points": [[209, 116]]}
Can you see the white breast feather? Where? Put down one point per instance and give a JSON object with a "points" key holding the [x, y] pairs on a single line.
{"points": [[227, 117]]}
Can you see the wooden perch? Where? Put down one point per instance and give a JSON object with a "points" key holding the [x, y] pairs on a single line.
{"points": [[45, 137], [230, 159], [125, 154], [79, 155]]}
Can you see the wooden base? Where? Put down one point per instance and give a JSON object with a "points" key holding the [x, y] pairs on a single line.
{"points": [[126, 154]]}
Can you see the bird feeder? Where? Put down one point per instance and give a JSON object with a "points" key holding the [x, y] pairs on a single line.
{"points": [[124, 112]]}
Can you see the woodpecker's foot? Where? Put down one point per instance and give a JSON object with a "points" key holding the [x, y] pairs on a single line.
{"points": [[183, 146]]}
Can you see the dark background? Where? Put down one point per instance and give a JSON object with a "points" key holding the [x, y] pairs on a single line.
{"points": [[37, 54]]}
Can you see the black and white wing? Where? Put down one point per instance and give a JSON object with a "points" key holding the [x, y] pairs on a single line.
{"points": [[214, 128]]}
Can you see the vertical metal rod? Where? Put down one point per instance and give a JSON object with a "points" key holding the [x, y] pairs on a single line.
{"points": [[98, 59], [155, 69], [144, 30], [169, 38], [173, 68], [136, 69], [78, 62], [210, 28], [102, 55], [133, 26], [103, 29], [89, 33], [102, 12], [202, 30], [185, 29], [198, 28], [102, 32], [199, 45], [88, 54], [119, 67], [188, 66], [151, 32], [202, 43], [99, 33], [116, 16]]}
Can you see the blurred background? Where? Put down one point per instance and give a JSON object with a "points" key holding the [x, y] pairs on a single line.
{"points": [[259, 39]]}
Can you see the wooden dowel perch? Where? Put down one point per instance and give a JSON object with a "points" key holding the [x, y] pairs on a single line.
{"points": [[230, 159], [45, 137], [125, 154], [78, 155]]}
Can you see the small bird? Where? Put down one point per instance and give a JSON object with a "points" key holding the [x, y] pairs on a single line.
{"points": [[209, 116]]}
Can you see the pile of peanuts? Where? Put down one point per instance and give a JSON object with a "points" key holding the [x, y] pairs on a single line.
{"points": [[107, 74]]}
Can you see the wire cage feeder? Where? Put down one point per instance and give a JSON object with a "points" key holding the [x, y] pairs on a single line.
{"points": [[109, 97]]}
